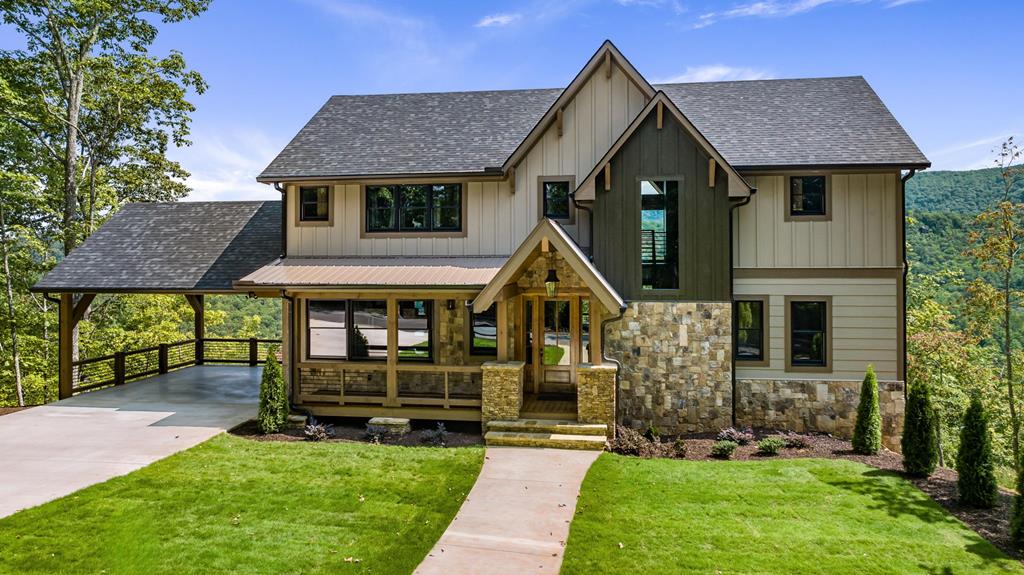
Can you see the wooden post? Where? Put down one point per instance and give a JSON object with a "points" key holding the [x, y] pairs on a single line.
{"points": [[502, 319], [661, 113], [596, 316], [118, 367], [253, 352], [162, 357], [65, 378], [608, 177], [198, 307], [538, 341], [392, 395]]}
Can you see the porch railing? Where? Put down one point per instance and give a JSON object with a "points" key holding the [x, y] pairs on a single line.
{"points": [[124, 366], [366, 383]]}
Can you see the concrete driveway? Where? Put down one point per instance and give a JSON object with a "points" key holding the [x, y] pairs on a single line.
{"points": [[50, 451]]}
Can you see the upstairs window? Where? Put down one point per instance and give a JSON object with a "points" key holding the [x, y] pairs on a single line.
{"points": [[749, 322], [808, 331], [808, 197], [659, 234], [414, 208], [314, 204], [555, 200]]}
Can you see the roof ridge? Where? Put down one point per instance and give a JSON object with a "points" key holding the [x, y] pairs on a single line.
{"points": [[751, 80], [446, 93]]}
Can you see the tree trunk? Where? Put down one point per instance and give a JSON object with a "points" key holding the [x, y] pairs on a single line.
{"points": [[74, 105], [15, 352], [1008, 350]]}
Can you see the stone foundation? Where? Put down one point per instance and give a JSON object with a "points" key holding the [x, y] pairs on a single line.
{"points": [[502, 396], [595, 395], [817, 406], [676, 365]]}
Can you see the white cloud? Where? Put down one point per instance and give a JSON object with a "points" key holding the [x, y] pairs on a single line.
{"points": [[971, 154], [895, 3], [497, 20], [224, 165], [715, 73], [777, 9]]}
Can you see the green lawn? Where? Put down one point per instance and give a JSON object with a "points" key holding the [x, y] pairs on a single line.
{"points": [[766, 517], [233, 505]]}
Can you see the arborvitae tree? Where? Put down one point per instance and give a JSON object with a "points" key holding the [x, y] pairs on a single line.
{"points": [[920, 449], [867, 433], [273, 413], [977, 478], [1017, 514]]}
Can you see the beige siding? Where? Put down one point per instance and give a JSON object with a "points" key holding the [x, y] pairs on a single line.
{"points": [[865, 316], [864, 230]]}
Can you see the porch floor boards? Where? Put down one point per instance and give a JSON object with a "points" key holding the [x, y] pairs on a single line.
{"points": [[563, 407]]}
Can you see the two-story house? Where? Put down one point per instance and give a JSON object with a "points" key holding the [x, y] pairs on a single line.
{"points": [[683, 256]]}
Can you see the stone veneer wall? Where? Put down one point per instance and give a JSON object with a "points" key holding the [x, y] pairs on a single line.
{"points": [[676, 360], [595, 394], [817, 405], [450, 346], [502, 393], [534, 276]]}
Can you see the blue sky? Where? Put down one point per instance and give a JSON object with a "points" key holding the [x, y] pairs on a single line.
{"points": [[949, 70]]}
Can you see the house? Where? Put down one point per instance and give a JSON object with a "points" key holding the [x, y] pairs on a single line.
{"points": [[682, 256]]}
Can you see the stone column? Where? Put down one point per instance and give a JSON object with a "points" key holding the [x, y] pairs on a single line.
{"points": [[595, 394], [502, 393]]}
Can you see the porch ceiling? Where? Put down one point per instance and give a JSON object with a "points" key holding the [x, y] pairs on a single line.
{"points": [[449, 272]]}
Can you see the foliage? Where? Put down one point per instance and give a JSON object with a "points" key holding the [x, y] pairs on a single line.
{"points": [[652, 433], [737, 436], [867, 432], [273, 412], [794, 440], [919, 443], [722, 449], [438, 437], [318, 430], [629, 441], [770, 445], [976, 481], [1017, 513]]}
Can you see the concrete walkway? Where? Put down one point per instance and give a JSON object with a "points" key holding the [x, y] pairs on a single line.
{"points": [[516, 518], [50, 451]]}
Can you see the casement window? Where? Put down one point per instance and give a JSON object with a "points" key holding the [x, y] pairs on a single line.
{"points": [[808, 197], [808, 333], [659, 234], [484, 327], [749, 324], [358, 329], [314, 204], [413, 208], [555, 200]]}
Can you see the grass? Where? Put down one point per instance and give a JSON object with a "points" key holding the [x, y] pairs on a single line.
{"points": [[766, 517], [232, 505]]}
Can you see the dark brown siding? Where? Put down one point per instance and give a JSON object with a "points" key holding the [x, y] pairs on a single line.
{"points": [[703, 211]]}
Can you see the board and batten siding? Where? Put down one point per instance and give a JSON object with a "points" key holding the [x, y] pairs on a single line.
{"points": [[865, 330], [864, 231]]}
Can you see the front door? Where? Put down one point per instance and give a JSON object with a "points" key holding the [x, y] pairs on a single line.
{"points": [[555, 340]]}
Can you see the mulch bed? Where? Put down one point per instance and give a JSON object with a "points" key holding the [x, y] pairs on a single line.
{"points": [[992, 524], [6, 410], [353, 430]]}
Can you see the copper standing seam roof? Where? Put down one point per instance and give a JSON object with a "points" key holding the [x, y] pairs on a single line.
{"points": [[473, 272]]}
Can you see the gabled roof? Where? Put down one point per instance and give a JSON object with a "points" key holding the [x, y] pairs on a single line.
{"points": [[738, 187], [530, 248], [447, 272], [171, 247]]}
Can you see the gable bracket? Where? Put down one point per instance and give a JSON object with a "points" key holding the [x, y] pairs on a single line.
{"points": [[712, 167], [608, 177], [661, 115], [558, 121]]}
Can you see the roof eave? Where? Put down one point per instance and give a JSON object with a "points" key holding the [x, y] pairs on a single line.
{"points": [[824, 167], [486, 173]]}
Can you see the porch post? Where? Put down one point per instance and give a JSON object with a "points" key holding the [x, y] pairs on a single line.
{"points": [[64, 344], [502, 320], [199, 309], [392, 390]]}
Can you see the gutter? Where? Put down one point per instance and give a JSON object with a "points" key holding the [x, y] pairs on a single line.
{"points": [[284, 217], [605, 357], [732, 280], [590, 225], [906, 269]]}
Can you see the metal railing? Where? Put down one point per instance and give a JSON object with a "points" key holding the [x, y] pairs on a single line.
{"points": [[124, 366]]}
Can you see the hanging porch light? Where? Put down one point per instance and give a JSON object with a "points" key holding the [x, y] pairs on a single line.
{"points": [[551, 283]]}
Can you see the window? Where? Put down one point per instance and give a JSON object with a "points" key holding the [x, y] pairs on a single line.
{"points": [[749, 324], [327, 335], [369, 329], [485, 332], [808, 196], [808, 327], [414, 208], [556, 199], [314, 204], [415, 320], [659, 234]]}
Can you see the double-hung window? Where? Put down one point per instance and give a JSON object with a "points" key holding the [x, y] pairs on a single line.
{"points": [[414, 208], [749, 323], [314, 204], [808, 325]]}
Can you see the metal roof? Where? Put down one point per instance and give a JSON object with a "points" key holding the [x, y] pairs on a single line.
{"points": [[171, 247], [472, 272]]}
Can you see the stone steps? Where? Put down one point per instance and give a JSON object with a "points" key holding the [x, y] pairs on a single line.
{"points": [[552, 426], [551, 440]]}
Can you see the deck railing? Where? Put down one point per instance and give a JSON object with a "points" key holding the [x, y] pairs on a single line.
{"points": [[124, 366], [365, 383]]}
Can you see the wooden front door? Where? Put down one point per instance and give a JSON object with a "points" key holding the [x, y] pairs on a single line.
{"points": [[555, 339]]}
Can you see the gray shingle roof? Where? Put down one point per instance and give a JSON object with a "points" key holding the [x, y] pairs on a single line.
{"points": [[760, 123], [172, 247]]}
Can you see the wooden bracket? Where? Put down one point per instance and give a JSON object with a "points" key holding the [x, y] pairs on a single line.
{"points": [[712, 168], [508, 292], [545, 245], [661, 113], [558, 121], [81, 306], [608, 177], [512, 180], [607, 64]]}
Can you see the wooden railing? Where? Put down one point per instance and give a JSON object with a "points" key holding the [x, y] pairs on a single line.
{"points": [[124, 366], [366, 383]]}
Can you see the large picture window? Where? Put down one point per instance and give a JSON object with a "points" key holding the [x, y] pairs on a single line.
{"points": [[358, 329], [414, 208], [808, 325], [749, 322], [369, 329], [485, 332], [659, 234]]}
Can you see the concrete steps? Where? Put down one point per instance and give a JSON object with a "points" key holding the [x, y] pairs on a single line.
{"points": [[546, 433]]}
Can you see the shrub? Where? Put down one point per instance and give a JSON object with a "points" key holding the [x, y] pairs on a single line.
{"points": [[273, 412], [739, 437], [679, 449], [652, 433], [376, 433], [794, 440], [770, 445], [317, 431], [723, 449], [867, 433], [976, 483], [437, 437], [631, 442], [1017, 514], [919, 446]]}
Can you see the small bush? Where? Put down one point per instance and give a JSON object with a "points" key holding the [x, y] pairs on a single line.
{"points": [[867, 433], [679, 449], [317, 431], [273, 411], [438, 437], [723, 449], [652, 433], [631, 442], [795, 440], [919, 444], [976, 481], [1017, 514], [770, 445], [376, 433], [737, 436]]}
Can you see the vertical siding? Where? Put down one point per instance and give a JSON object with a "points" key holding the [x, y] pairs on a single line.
{"points": [[860, 233]]}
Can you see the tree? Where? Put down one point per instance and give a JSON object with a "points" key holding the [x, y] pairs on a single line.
{"points": [[996, 246], [1017, 514], [919, 444], [867, 433], [273, 412], [976, 481]]}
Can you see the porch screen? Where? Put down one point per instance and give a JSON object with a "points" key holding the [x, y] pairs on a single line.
{"points": [[659, 234]]}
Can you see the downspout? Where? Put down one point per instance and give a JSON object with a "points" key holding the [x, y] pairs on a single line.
{"points": [[284, 217], [605, 357], [590, 224], [906, 269], [732, 356]]}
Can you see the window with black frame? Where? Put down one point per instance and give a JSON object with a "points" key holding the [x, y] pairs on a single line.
{"points": [[414, 208], [808, 196], [314, 204], [369, 334], [484, 327], [808, 335], [556, 200], [659, 234], [749, 322], [415, 322], [327, 329]]}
